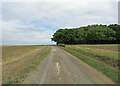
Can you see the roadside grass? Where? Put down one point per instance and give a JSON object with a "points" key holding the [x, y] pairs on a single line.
{"points": [[99, 55], [110, 72], [99, 45], [102, 53], [107, 47], [21, 75]]}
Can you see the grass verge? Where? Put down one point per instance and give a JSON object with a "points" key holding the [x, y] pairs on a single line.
{"points": [[101, 57], [107, 70], [102, 53]]}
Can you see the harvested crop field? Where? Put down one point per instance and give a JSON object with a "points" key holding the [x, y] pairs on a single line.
{"points": [[18, 61]]}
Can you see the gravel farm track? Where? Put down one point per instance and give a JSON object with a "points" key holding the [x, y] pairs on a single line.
{"points": [[60, 67]]}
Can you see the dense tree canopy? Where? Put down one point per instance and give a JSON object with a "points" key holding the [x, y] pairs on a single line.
{"points": [[91, 34]]}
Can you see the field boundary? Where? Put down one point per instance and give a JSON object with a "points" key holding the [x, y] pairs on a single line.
{"points": [[21, 75], [104, 59], [108, 71]]}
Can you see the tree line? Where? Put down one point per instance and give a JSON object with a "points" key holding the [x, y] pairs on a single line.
{"points": [[91, 34]]}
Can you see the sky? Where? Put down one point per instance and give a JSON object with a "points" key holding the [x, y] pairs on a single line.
{"points": [[33, 22]]}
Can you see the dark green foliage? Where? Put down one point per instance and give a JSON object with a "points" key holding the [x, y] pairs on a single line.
{"points": [[116, 28], [61, 45], [92, 34]]}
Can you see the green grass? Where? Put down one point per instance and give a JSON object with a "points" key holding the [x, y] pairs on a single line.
{"points": [[98, 55], [10, 82], [107, 47], [103, 53], [27, 69], [107, 70], [99, 52], [99, 45]]}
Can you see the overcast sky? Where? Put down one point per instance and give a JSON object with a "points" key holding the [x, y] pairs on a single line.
{"points": [[35, 21]]}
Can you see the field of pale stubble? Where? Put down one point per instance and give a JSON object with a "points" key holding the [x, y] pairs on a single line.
{"points": [[18, 61]]}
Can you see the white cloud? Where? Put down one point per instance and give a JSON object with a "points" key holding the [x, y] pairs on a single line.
{"points": [[61, 12], [14, 33], [58, 0], [48, 15]]}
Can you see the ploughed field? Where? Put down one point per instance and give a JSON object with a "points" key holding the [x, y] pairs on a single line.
{"points": [[104, 57], [18, 61]]}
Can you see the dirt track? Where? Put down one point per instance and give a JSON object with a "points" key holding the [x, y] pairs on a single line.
{"points": [[60, 67]]}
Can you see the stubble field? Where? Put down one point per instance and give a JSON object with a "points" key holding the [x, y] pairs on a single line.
{"points": [[18, 61]]}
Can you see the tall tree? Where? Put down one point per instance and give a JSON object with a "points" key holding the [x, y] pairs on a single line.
{"points": [[91, 34]]}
